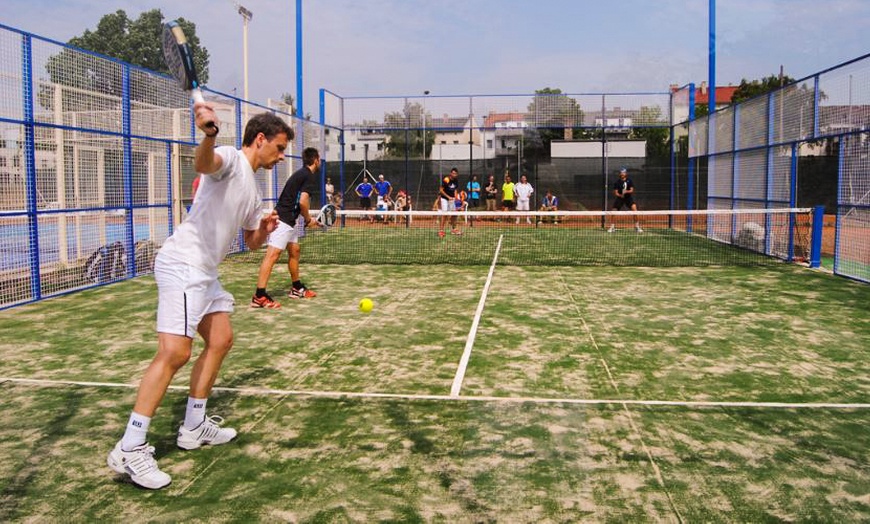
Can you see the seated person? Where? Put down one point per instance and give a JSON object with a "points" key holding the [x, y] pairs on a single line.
{"points": [[384, 204], [461, 200], [402, 203], [550, 203]]}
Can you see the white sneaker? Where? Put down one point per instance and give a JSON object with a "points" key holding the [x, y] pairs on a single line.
{"points": [[611, 230], [209, 432], [140, 465], [639, 230]]}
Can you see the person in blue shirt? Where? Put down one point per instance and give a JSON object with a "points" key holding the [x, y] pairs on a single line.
{"points": [[364, 192], [473, 188], [550, 203], [385, 191]]}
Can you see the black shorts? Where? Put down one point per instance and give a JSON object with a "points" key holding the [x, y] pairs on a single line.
{"points": [[508, 204], [626, 201], [365, 202]]}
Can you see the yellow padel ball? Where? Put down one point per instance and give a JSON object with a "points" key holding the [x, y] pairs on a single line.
{"points": [[366, 305]]}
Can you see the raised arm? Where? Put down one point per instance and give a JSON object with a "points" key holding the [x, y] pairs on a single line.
{"points": [[205, 160]]}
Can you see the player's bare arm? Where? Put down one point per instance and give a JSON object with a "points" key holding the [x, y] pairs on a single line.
{"points": [[256, 238], [305, 209], [205, 160]]}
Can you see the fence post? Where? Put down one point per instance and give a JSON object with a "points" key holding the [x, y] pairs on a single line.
{"points": [[30, 164], [816, 237]]}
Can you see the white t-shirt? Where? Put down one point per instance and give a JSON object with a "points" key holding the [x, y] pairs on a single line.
{"points": [[524, 191], [225, 201]]}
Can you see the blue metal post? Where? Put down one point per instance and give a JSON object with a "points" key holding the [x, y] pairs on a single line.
{"points": [[171, 217], [816, 239], [841, 164], [30, 164], [771, 166], [300, 111], [690, 185], [792, 200], [128, 170], [711, 72]]}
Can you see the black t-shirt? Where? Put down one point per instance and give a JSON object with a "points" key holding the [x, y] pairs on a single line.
{"points": [[302, 181], [623, 185], [448, 185]]}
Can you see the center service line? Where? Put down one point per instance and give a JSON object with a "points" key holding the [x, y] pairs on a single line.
{"points": [[469, 343]]}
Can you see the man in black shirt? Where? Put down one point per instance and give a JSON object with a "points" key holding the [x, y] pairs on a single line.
{"points": [[447, 194], [623, 191], [294, 216]]}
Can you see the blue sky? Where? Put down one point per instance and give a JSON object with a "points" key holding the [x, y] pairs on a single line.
{"points": [[403, 47]]}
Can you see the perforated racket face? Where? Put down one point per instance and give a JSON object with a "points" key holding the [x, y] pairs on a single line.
{"points": [[178, 56], [327, 215]]}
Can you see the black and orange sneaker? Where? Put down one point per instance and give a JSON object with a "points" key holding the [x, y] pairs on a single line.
{"points": [[302, 292], [264, 302]]}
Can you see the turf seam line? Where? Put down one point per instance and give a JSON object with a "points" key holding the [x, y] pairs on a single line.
{"points": [[471, 398], [635, 429], [472, 333]]}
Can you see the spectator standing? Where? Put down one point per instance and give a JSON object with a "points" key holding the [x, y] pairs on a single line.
{"points": [[507, 192], [473, 188], [491, 193], [524, 192], [364, 191]]}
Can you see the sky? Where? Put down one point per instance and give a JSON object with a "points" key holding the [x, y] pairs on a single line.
{"points": [[451, 47]]}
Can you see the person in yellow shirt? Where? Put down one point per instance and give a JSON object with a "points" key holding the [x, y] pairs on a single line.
{"points": [[507, 201]]}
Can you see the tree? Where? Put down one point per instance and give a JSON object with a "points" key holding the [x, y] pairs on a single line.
{"points": [[551, 112], [287, 99], [750, 89], [138, 42], [405, 128], [657, 138]]}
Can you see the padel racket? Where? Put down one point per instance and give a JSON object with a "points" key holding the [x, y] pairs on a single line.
{"points": [[326, 217], [179, 59]]}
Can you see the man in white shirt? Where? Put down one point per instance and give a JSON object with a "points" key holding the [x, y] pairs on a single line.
{"points": [[523, 192], [190, 298]]}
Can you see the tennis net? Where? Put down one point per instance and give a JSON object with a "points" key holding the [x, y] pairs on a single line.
{"points": [[644, 238]]}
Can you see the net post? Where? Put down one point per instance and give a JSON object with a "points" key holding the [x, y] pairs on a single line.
{"points": [[816, 237]]}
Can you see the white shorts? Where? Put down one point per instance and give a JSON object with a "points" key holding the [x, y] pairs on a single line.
{"points": [[447, 205], [186, 294], [286, 234], [522, 205]]}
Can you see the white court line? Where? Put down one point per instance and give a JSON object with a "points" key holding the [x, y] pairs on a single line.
{"points": [[504, 400], [469, 343]]}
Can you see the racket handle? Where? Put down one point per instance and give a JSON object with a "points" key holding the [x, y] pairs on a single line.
{"points": [[196, 95]]}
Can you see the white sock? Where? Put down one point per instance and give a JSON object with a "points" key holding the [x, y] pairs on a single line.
{"points": [[195, 414], [137, 431]]}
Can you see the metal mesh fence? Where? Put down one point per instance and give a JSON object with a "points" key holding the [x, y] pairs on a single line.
{"points": [[803, 144], [96, 165]]}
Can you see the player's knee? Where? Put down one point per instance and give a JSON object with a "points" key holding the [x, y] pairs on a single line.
{"points": [[174, 358]]}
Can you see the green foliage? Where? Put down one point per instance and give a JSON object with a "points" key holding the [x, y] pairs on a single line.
{"points": [[749, 89], [551, 112], [657, 138], [288, 99], [138, 42], [406, 131]]}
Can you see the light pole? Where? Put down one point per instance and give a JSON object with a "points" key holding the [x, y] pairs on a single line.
{"points": [[247, 15]]}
